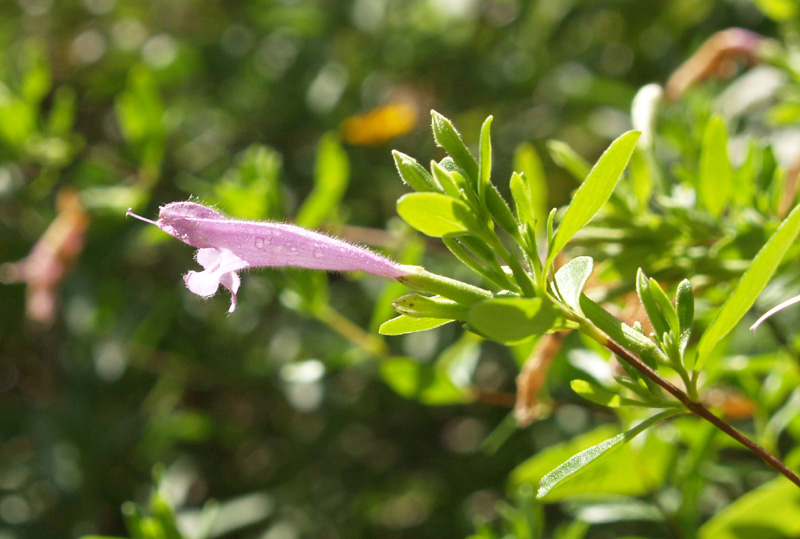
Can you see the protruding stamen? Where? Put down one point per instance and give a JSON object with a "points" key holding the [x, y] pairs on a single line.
{"points": [[131, 214]]}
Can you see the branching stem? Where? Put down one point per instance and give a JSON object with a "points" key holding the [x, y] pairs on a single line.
{"points": [[699, 410]]}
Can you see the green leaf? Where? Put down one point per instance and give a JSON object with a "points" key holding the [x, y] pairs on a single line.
{"points": [[448, 181], [522, 200], [437, 215], [715, 186], [632, 471], [750, 285], [419, 306], [62, 112], [768, 511], [617, 330], [508, 320], [331, 176], [528, 163], [448, 138], [587, 456], [666, 307], [745, 177], [37, 78], [594, 192], [779, 10], [567, 158], [423, 382], [413, 174], [486, 157], [684, 304], [500, 211], [570, 280], [164, 514], [642, 172], [252, 188], [595, 393], [405, 324], [657, 319]]}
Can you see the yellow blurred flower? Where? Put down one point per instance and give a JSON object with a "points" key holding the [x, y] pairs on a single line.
{"points": [[379, 125]]}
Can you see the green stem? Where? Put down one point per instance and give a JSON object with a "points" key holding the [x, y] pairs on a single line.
{"points": [[350, 331]]}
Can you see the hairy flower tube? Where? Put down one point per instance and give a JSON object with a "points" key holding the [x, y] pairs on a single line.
{"points": [[226, 246]]}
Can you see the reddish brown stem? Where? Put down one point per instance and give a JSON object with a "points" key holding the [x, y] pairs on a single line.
{"points": [[701, 411]]}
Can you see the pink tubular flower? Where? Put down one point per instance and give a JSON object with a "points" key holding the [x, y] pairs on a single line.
{"points": [[226, 246]]}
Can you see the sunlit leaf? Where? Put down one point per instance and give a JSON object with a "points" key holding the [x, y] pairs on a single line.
{"points": [[595, 393], [436, 215], [595, 191], [448, 138], [750, 285], [769, 511], [331, 176], [588, 456], [528, 163], [509, 320], [567, 158], [405, 324], [715, 185], [571, 278]]}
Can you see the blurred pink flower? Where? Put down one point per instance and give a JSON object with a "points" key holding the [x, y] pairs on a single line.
{"points": [[51, 258]]}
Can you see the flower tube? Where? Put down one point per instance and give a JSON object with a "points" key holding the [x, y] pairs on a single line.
{"points": [[226, 246]]}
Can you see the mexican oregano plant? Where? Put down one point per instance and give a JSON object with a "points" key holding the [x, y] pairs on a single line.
{"points": [[526, 296]]}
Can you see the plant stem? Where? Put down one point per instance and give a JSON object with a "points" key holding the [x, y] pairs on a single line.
{"points": [[699, 410], [350, 331]]}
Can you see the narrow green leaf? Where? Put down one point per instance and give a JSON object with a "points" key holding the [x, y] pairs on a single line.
{"points": [[445, 179], [331, 176], [617, 330], [750, 285], [567, 158], [424, 281], [488, 268], [437, 215], [528, 163], [595, 393], [486, 157], [715, 186], [642, 174], [684, 304], [448, 138], [745, 177], [62, 112], [521, 196], [413, 174], [594, 192], [610, 475], [657, 320], [769, 511], [571, 278], [508, 320], [666, 307], [164, 514], [500, 211], [587, 456], [405, 324], [419, 306]]}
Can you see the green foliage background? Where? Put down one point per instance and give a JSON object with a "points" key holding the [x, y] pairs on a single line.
{"points": [[281, 407]]}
